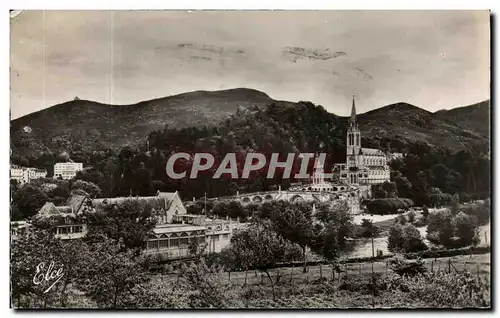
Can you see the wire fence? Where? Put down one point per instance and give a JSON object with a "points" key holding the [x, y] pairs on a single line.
{"points": [[479, 265]]}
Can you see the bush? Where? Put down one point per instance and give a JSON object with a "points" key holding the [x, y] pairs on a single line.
{"points": [[481, 212], [388, 205], [411, 217], [405, 239], [405, 267]]}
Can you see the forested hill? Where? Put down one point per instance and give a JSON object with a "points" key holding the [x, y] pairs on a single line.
{"points": [[474, 117], [86, 126], [78, 128]]}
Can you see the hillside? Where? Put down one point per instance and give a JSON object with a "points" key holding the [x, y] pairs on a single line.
{"points": [[85, 123], [408, 124], [85, 126], [474, 117]]}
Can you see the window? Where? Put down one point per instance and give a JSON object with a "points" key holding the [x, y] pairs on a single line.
{"points": [[77, 229], [163, 243], [174, 242], [216, 238], [225, 236], [183, 242]]}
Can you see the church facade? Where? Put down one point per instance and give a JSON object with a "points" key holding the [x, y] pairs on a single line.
{"points": [[363, 166]]}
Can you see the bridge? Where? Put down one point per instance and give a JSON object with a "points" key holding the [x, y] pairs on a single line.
{"points": [[305, 194]]}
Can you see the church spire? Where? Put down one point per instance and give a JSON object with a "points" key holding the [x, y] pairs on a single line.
{"points": [[353, 112]]}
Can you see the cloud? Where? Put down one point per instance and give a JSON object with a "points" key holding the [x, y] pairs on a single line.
{"points": [[298, 53]]}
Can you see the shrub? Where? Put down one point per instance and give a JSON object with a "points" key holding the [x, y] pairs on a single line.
{"points": [[405, 267], [411, 217], [405, 239]]}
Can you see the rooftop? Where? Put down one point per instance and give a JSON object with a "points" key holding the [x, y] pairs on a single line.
{"points": [[173, 228]]}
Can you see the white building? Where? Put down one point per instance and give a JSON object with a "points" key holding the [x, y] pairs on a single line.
{"points": [[26, 174], [364, 166], [67, 170]]}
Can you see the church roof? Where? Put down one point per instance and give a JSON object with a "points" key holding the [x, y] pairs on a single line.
{"points": [[372, 151]]}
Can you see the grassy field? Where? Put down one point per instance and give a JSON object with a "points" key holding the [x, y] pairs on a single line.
{"points": [[476, 263], [447, 285]]}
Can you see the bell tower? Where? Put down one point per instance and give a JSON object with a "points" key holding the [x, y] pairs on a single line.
{"points": [[353, 141]]}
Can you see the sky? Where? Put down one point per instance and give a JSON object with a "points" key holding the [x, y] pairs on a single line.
{"points": [[432, 59]]}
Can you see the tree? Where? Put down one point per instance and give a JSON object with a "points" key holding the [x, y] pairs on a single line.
{"points": [[130, 221], [412, 240], [425, 212], [29, 199], [26, 253], [220, 209], [208, 285], [194, 208], [440, 229], [294, 223], [405, 239], [411, 217], [111, 274], [90, 188], [466, 229], [455, 204], [258, 246], [368, 229], [395, 241], [390, 188]]}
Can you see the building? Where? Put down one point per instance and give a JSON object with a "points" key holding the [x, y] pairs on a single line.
{"points": [[69, 222], [363, 166], [26, 174], [67, 170], [394, 156], [171, 237]]}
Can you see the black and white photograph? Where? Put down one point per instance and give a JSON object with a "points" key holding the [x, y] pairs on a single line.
{"points": [[246, 159]]}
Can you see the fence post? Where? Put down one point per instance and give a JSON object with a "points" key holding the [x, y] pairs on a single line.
{"points": [[477, 265], [486, 238], [449, 265], [291, 276], [432, 267], [320, 271], [246, 275], [346, 270]]}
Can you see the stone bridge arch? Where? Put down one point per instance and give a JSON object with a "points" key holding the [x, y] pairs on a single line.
{"points": [[268, 197], [257, 199], [297, 198]]}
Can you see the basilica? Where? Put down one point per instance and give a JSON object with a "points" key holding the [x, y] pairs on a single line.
{"points": [[363, 166]]}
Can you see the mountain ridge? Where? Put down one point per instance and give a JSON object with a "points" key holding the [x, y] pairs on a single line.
{"points": [[82, 125]]}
